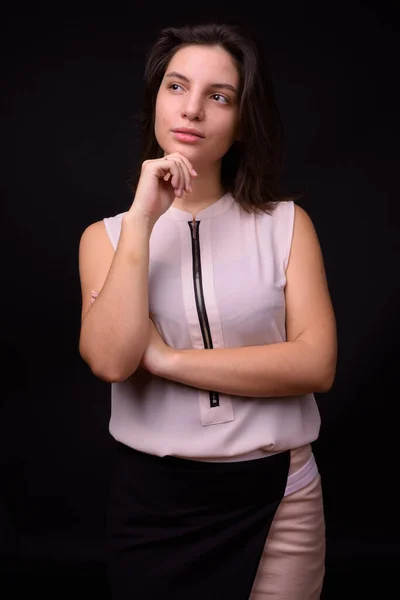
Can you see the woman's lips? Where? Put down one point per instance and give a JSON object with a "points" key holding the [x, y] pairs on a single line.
{"points": [[190, 138]]}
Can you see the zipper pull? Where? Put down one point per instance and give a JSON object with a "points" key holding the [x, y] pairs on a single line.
{"points": [[194, 227]]}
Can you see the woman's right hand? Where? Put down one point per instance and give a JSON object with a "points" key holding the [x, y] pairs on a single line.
{"points": [[161, 180]]}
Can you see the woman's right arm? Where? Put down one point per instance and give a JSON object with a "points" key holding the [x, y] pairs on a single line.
{"points": [[115, 328]]}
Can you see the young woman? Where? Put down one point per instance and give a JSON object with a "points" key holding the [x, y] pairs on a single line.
{"points": [[206, 306]]}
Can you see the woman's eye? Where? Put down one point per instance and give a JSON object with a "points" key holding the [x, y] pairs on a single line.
{"points": [[175, 86], [220, 98]]}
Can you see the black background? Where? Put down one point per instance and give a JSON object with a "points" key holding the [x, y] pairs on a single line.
{"points": [[72, 85]]}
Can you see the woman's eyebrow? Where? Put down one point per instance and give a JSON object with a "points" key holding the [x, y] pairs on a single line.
{"points": [[176, 75]]}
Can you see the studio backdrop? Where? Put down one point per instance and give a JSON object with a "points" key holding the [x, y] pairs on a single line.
{"points": [[72, 89]]}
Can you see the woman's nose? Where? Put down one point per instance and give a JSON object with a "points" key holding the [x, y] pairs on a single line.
{"points": [[193, 108]]}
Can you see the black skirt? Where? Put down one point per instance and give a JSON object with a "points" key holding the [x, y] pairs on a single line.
{"points": [[189, 530]]}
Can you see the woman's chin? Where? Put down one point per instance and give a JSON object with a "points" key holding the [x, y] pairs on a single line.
{"points": [[199, 157]]}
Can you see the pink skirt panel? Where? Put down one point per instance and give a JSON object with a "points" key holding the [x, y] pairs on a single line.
{"points": [[292, 566]]}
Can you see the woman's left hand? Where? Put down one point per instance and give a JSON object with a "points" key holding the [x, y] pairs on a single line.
{"points": [[155, 357]]}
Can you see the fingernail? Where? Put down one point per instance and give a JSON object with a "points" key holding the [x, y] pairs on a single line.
{"points": [[194, 172]]}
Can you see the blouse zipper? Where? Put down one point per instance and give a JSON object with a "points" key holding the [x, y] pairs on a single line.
{"points": [[199, 296]]}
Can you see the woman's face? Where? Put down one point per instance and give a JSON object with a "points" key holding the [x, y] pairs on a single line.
{"points": [[199, 91]]}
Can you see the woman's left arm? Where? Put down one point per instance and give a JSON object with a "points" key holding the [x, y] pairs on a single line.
{"points": [[305, 363]]}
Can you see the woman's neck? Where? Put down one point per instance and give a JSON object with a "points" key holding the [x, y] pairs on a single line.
{"points": [[206, 189]]}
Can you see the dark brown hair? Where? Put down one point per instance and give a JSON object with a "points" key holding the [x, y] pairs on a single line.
{"points": [[251, 169]]}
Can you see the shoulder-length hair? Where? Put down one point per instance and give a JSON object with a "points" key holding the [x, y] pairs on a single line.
{"points": [[251, 169]]}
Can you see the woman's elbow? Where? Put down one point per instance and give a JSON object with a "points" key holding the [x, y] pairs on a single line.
{"points": [[105, 370], [111, 374]]}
